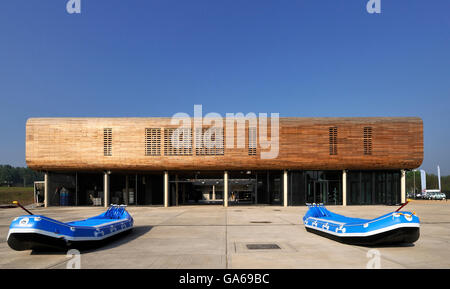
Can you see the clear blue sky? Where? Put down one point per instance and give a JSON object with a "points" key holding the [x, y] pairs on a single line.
{"points": [[159, 57]]}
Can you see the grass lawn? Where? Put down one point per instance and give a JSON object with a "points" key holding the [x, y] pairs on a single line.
{"points": [[22, 194]]}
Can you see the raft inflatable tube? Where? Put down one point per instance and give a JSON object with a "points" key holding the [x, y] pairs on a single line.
{"points": [[399, 227], [37, 232]]}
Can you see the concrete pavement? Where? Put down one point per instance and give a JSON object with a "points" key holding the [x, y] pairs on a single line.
{"points": [[216, 237]]}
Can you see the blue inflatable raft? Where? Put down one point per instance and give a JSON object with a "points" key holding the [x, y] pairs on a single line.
{"points": [[393, 228], [36, 232]]}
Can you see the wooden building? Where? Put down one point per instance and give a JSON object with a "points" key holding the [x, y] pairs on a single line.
{"points": [[134, 160]]}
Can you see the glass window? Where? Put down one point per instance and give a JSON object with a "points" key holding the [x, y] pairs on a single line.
{"points": [[315, 187], [366, 188], [62, 189], [269, 187], [296, 188], [354, 187], [373, 187]]}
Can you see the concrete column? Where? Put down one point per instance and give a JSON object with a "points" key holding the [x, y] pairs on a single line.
{"points": [[166, 189], [344, 188], [106, 189], [76, 189], [176, 190], [225, 189], [403, 186], [136, 190], [256, 188], [183, 193], [46, 187], [214, 192], [285, 188], [127, 191]]}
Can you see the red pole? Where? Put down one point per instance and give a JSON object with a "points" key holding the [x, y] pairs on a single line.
{"points": [[19, 205], [402, 206]]}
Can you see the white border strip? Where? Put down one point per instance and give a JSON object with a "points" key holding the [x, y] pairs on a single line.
{"points": [[328, 221]]}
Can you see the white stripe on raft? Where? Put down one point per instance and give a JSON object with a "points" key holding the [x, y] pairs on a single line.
{"points": [[69, 238], [351, 224], [370, 233], [326, 221], [68, 223]]}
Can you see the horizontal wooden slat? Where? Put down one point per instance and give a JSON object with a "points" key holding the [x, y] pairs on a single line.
{"points": [[304, 143]]}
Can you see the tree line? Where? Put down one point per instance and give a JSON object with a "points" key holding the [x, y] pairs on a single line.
{"points": [[432, 182], [18, 176]]}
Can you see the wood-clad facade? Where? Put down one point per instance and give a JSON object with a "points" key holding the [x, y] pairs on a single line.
{"points": [[349, 160], [55, 144]]}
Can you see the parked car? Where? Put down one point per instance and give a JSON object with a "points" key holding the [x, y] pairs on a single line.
{"points": [[440, 196], [435, 196], [421, 195]]}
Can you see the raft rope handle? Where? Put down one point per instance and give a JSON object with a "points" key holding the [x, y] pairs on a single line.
{"points": [[316, 208], [408, 215], [369, 222], [403, 214]]}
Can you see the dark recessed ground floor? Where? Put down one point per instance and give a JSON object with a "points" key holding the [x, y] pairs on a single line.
{"points": [[228, 188]]}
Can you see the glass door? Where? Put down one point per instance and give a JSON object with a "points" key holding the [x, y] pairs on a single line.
{"points": [[323, 192], [317, 192]]}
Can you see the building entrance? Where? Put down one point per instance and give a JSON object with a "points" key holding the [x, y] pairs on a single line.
{"points": [[195, 188], [315, 187], [317, 192], [244, 188]]}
